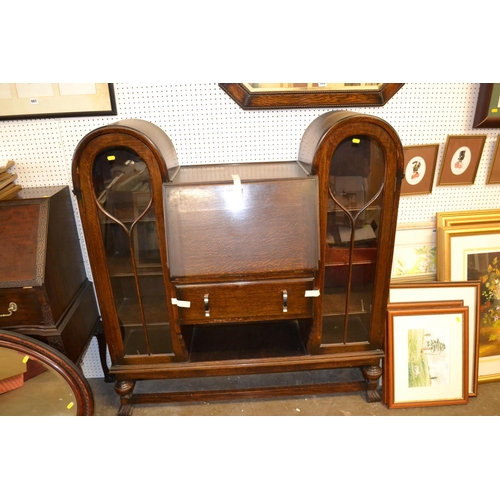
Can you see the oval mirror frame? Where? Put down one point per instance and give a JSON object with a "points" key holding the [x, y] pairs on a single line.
{"points": [[57, 361], [315, 97]]}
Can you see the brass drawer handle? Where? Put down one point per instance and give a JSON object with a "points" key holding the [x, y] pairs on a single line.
{"points": [[285, 301], [12, 308], [206, 304]]}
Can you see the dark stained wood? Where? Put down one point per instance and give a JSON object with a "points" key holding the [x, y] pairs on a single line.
{"points": [[263, 99], [225, 274], [42, 271], [482, 118]]}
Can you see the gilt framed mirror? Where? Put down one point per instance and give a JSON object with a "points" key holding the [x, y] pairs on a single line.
{"points": [[309, 95]]}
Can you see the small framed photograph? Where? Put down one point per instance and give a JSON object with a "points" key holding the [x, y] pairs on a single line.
{"points": [[472, 252], [427, 347], [494, 174], [420, 166], [488, 106], [461, 159], [465, 292]]}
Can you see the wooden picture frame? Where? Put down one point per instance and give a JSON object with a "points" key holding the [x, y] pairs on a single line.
{"points": [[56, 100], [472, 252], [435, 292], [420, 167], [62, 378], [427, 347], [461, 159], [309, 95], [487, 113], [494, 173]]}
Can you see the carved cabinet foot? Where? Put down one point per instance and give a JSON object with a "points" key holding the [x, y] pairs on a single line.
{"points": [[372, 375], [124, 389]]}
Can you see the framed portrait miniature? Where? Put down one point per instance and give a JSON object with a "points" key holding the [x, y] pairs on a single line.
{"points": [[420, 166], [494, 174], [461, 159], [428, 355]]}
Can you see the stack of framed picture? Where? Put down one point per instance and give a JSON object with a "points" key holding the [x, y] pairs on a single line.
{"points": [[468, 245], [443, 335], [432, 344]]}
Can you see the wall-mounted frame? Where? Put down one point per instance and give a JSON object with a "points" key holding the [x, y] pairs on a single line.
{"points": [[494, 174], [466, 291], [420, 167], [472, 252], [488, 106], [427, 347], [309, 95], [461, 159], [55, 100]]}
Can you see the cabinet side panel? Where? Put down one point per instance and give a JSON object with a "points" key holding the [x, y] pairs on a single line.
{"points": [[64, 268]]}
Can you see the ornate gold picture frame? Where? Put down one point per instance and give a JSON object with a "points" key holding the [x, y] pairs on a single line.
{"points": [[468, 248]]}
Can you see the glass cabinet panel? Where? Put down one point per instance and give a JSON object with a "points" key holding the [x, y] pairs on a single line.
{"points": [[356, 180], [122, 188]]}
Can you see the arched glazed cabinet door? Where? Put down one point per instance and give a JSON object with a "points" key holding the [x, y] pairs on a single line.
{"points": [[359, 162], [118, 171]]}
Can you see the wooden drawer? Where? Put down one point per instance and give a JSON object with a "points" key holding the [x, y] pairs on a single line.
{"points": [[29, 307], [244, 301]]}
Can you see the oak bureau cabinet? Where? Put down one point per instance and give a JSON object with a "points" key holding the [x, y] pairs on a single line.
{"points": [[44, 291], [205, 272]]}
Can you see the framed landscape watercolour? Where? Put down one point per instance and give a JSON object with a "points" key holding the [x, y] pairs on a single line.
{"points": [[420, 166], [461, 159], [472, 252], [488, 106], [414, 257], [494, 173], [55, 100], [427, 347], [468, 293]]}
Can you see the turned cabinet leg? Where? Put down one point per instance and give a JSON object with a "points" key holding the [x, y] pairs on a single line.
{"points": [[124, 389], [372, 375]]}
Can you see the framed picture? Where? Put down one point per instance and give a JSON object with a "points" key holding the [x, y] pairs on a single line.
{"points": [[414, 257], [435, 292], [427, 348], [461, 159], [420, 166], [55, 100], [494, 174], [467, 217], [309, 95], [488, 106], [472, 252]]}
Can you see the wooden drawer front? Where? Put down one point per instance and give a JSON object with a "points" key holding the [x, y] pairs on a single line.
{"points": [[29, 309], [245, 301]]}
